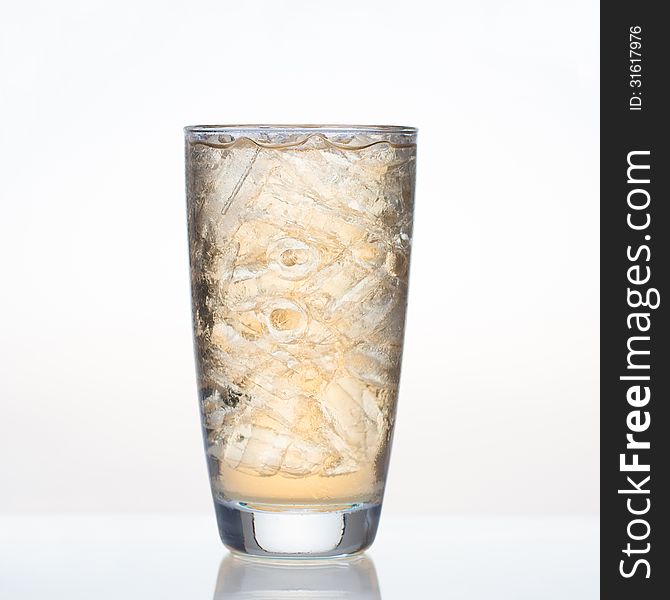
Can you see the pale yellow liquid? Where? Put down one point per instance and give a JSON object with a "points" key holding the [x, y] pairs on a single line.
{"points": [[314, 490], [299, 264]]}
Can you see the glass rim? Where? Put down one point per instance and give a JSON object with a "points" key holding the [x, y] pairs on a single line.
{"points": [[305, 128]]}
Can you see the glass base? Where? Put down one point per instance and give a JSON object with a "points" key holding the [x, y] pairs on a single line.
{"points": [[274, 531]]}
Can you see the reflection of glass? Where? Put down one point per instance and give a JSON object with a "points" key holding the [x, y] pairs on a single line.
{"points": [[299, 242], [252, 578]]}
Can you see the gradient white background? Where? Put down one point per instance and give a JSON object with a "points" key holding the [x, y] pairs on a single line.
{"points": [[498, 407]]}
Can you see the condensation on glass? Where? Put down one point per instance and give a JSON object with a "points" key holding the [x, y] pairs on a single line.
{"points": [[299, 241]]}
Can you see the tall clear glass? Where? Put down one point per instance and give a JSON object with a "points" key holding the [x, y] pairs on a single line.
{"points": [[299, 240]]}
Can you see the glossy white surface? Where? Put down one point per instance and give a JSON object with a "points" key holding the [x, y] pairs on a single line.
{"points": [[180, 557]]}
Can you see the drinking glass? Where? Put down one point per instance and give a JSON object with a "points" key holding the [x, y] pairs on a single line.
{"points": [[299, 243]]}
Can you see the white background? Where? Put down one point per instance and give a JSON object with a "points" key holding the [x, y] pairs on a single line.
{"points": [[498, 407]]}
